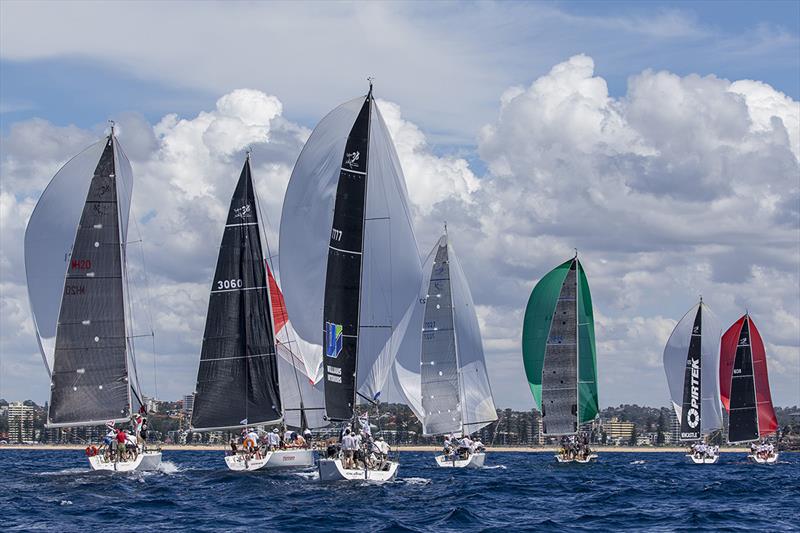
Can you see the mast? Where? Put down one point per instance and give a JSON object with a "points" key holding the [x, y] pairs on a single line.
{"points": [[577, 345]]}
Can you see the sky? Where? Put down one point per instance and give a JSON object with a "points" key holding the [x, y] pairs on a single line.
{"points": [[662, 140]]}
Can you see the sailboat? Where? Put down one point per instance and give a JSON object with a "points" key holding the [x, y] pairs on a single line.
{"points": [[744, 387], [446, 384], [76, 268], [241, 375], [350, 265], [558, 349], [691, 360]]}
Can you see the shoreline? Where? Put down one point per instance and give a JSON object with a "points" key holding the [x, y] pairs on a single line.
{"points": [[405, 448]]}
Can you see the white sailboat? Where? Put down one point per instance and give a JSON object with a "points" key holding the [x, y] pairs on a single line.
{"points": [[248, 376], [691, 363], [76, 268], [446, 383], [350, 264]]}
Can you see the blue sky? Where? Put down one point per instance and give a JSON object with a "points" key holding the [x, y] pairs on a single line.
{"points": [[507, 117]]}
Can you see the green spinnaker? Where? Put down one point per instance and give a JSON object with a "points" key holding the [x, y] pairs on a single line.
{"points": [[536, 328]]}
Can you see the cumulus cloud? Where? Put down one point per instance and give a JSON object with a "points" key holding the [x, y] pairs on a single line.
{"points": [[686, 185]]}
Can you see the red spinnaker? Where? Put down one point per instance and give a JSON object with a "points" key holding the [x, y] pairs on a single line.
{"points": [[279, 314], [727, 355], [767, 421]]}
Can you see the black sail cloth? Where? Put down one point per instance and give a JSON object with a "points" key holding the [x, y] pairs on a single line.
{"points": [[237, 382], [343, 278]]}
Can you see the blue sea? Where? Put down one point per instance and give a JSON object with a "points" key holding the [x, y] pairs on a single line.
{"points": [[55, 491]]}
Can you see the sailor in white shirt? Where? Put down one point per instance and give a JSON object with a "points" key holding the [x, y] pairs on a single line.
{"points": [[348, 448], [274, 439]]}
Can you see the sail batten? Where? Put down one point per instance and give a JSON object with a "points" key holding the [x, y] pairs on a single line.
{"points": [[237, 380]]}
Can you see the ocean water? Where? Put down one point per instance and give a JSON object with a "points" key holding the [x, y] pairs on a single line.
{"points": [[54, 490]]}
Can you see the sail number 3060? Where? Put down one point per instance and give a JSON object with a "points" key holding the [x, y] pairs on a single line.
{"points": [[229, 284]]}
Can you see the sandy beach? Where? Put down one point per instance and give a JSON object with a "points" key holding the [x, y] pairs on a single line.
{"points": [[493, 449]]}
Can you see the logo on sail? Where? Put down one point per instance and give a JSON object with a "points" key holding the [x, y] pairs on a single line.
{"points": [[693, 414], [241, 212], [351, 159], [743, 341], [333, 340]]}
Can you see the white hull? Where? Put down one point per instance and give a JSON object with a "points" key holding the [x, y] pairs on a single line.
{"points": [[332, 470], [291, 458], [588, 459], [475, 460], [760, 460], [240, 462], [707, 460], [146, 461]]}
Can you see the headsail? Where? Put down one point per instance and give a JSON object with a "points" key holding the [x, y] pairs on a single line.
{"points": [[558, 349], [744, 383], [76, 287], [691, 359], [237, 379], [346, 221]]}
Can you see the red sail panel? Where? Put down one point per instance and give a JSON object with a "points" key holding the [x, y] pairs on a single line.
{"points": [[767, 421], [279, 314], [727, 357]]}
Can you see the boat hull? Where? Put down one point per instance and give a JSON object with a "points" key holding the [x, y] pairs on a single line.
{"points": [[588, 459], [240, 462], [707, 460], [475, 460], [332, 470], [299, 458], [144, 462], [762, 461]]}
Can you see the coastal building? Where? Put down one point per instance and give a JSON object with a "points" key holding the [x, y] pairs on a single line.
{"points": [[188, 403], [20, 422], [618, 431], [674, 427]]}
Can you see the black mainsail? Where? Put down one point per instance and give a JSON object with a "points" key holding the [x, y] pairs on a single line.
{"points": [[743, 410], [343, 279], [237, 382], [691, 405], [89, 381]]}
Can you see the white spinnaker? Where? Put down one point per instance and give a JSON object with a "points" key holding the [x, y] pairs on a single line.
{"points": [[675, 354], [478, 405], [49, 237], [296, 385], [391, 269], [306, 220]]}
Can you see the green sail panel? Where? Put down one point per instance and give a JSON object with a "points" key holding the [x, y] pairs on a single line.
{"points": [[588, 407], [536, 326]]}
